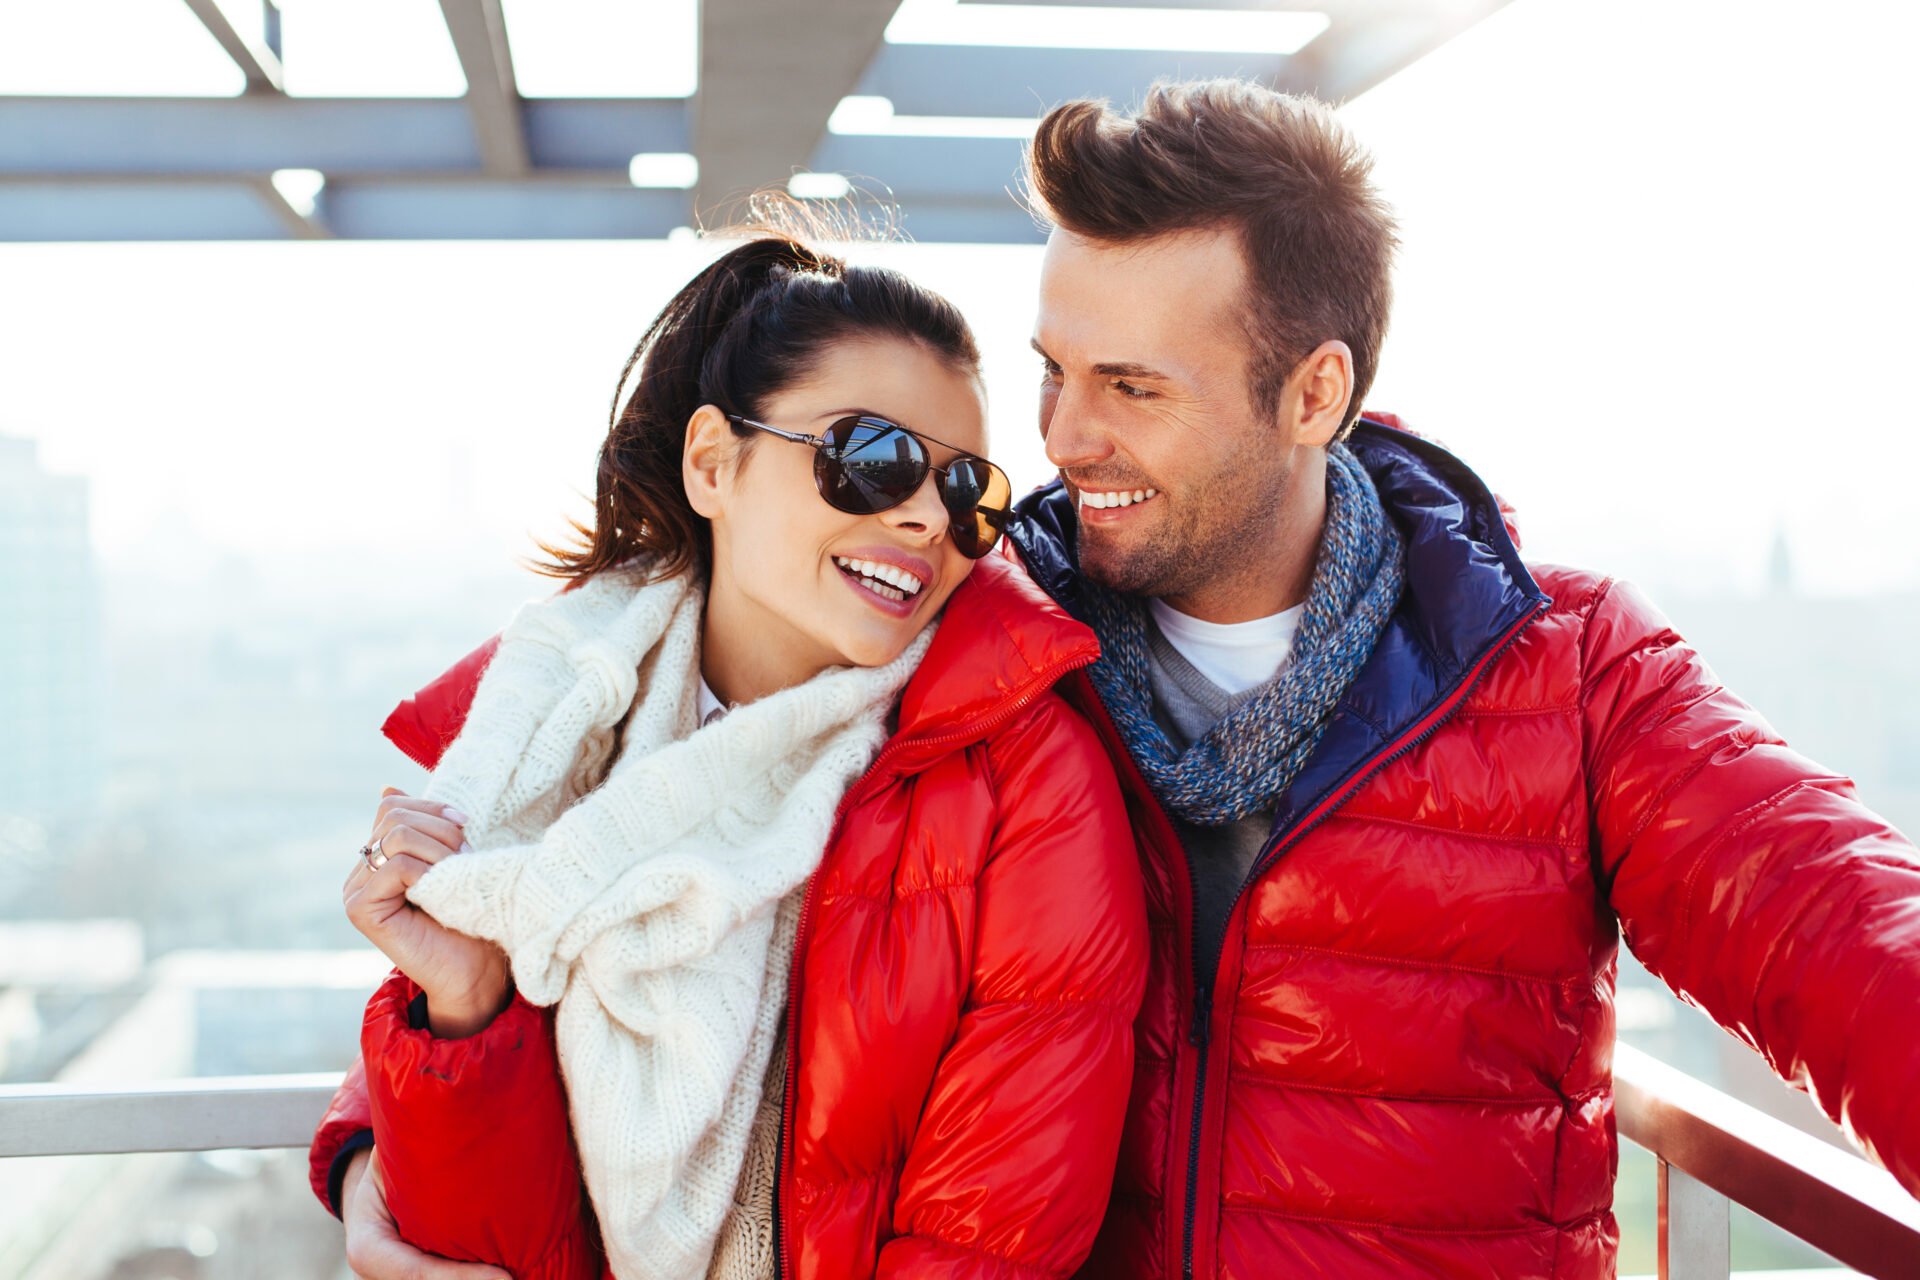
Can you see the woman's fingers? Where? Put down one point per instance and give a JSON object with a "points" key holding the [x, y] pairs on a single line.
{"points": [[429, 839], [394, 798], [377, 896], [396, 805], [446, 834], [377, 906], [407, 838]]}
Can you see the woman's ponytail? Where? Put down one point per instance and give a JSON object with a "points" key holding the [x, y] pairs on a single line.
{"points": [[747, 327], [639, 504]]}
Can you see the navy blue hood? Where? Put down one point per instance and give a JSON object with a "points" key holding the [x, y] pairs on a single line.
{"points": [[1467, 594]]}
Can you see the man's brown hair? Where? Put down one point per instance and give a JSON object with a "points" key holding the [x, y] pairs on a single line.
{"points": [[1280, 169]]}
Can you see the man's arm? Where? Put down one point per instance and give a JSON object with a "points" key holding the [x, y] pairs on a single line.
{"points": [[1753, 881]]}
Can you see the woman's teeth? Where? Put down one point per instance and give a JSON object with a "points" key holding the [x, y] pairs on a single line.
{"points": [[884, 580], [1119, 498]]}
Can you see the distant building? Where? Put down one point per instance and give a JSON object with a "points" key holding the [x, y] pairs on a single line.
{"points": [[51, 652], [1780, 564]]}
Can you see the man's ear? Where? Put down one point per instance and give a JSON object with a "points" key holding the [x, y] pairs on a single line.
{"points": [[706, 460], [1323, 383]]}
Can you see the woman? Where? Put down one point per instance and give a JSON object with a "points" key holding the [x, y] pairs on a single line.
{"points": [[840, 980]]}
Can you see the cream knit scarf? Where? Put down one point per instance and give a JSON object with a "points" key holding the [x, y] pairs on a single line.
{"points": [[648, 904]]}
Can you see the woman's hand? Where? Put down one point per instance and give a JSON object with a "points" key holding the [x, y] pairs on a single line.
{"points": [[465, 979]]}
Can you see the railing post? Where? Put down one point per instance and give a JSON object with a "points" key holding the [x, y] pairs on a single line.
{"points": [[1694, 1228]]}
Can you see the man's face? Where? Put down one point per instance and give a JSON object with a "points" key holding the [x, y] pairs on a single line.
{"points": [[1146, 410]]}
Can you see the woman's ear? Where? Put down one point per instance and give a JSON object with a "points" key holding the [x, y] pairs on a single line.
{"points": [[706, 460]]}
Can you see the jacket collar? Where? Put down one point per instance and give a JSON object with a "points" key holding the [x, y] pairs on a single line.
{"points": [[1467, 594], [1001, 643]]}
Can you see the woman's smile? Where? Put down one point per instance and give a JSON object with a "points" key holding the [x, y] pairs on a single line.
{"points": [[891, 581]]}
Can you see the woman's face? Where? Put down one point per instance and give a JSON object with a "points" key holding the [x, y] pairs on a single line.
{"points": [[783, 583]]}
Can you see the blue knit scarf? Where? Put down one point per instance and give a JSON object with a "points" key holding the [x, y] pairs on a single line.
{"points": [[1244, 762]]}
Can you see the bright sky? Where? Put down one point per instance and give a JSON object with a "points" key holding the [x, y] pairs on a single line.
{"points": [[1658, 286]]}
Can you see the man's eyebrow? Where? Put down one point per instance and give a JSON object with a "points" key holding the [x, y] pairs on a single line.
{"points": [[1126, 369], [1112, 368]]}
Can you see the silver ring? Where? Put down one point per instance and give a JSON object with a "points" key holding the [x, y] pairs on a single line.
{"points": [[373, 855]]}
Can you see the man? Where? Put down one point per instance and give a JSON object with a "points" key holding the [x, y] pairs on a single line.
{"points": [[1397, 793]]}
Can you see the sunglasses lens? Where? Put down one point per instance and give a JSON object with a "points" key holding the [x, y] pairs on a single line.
{"points": [[979, 498], [868, 466]]}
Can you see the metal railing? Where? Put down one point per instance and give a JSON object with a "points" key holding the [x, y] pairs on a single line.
{"points": [[206, 1114], [1713, 1150]]}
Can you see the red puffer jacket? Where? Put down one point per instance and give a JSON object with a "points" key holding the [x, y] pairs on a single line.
{"points": [[1399, 1064], [970, 959]]}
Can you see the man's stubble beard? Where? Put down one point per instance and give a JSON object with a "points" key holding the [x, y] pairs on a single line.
{"points": [[1189, 551]]}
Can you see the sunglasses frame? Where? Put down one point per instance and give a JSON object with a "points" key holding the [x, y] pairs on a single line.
{"points": [[821, 443]]}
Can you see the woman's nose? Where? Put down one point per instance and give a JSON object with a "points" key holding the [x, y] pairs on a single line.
{"points": [[922, 513]]}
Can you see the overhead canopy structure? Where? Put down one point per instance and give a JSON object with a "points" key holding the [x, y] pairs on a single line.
{"points": [[873, 91]]}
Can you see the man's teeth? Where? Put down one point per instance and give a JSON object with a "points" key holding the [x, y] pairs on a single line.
{"points": [[1120, 498], [885, 580]]}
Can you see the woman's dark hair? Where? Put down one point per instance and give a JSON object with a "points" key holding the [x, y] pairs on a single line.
{"points": [[751, 325]]}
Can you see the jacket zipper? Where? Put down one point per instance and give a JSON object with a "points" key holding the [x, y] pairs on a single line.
{"points": [[1198, 1035], [1201, 1031], [875, 774]]}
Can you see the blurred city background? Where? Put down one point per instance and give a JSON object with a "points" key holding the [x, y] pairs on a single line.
{"points": [[258, 484]]}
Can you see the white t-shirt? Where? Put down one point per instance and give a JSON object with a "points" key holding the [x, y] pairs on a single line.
{"points": [[1236, 656]]}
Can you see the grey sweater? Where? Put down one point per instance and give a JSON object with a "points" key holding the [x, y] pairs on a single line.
{"points": [[1186, 705]]}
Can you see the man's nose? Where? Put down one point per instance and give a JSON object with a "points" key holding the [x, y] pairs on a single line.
{"points": [[1073, 435]]}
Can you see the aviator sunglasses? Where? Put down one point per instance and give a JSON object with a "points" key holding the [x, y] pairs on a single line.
{"points": [[864, 465]]}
